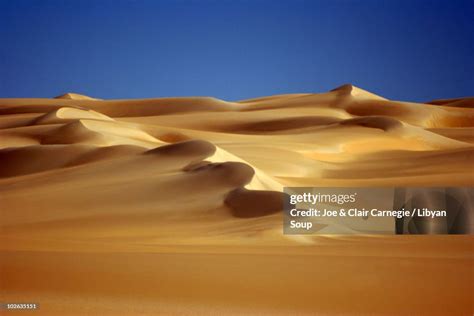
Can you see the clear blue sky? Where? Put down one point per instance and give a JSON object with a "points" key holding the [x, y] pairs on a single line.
{"points": [[405, 50]]}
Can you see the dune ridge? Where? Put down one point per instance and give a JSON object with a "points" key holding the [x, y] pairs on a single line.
{"points": [[173, 205], [347, 136]]}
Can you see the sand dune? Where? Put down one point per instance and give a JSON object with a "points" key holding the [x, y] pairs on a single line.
{"points": [[195, 184], [74, 96]]}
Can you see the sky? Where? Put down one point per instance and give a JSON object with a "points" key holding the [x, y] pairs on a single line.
{"points": [[403, 50]]}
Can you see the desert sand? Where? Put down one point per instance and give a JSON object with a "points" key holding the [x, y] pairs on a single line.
{"points": [[172, 206]]}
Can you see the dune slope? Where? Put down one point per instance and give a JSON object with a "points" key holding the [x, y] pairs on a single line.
{"points": [[173, 205]]}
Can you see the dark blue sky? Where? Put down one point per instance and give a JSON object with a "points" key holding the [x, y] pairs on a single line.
{"points": [[406, 50]]}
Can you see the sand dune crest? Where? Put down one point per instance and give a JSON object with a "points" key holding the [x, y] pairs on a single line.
{"points": [[74, 96]]}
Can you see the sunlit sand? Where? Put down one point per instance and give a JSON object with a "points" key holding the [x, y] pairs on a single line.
{"points": [[172, 206]]}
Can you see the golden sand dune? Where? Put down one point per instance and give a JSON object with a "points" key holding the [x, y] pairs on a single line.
{"points": [[74, 96], [173, 206]]}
